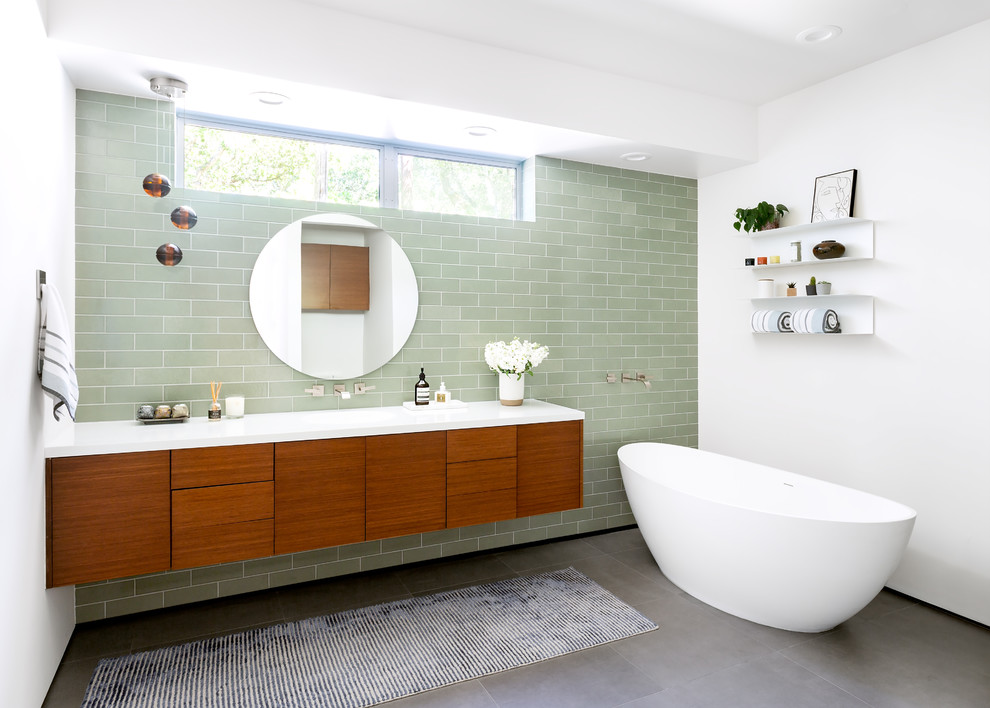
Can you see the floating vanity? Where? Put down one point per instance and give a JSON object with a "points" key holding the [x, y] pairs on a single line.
{"points": [[128, 499]]}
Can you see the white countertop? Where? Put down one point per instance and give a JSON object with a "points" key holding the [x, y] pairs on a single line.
{"points": [[132, 436]]}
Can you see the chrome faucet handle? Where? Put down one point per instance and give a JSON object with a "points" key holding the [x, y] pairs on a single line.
{"points": [[317, 390], [360, 388]]}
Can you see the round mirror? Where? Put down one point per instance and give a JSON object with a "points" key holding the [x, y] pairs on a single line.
{"points": [[333, 296]]}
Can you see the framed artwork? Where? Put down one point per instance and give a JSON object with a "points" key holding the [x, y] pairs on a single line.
{"points": [[835, 195]]}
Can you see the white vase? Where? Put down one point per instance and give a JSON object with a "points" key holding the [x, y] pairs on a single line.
{"points": [[510, 389]]}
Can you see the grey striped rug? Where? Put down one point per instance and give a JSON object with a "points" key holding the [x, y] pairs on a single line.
{"points": [[375, 654]]}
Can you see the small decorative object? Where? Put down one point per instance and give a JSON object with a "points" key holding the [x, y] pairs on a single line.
{"points": [[791, 289], [180, 410], [761, 260], [750, 261], [764, 287], [760, 218], [163, 411], [441, 395], [157, 185], [795, 251], [774, 259], [811, 288], [184, 218], [146, 412], [234, 406], [828, 249], [511, 361], [835, 195], [168, 254], [214, 412], [823, 287]]}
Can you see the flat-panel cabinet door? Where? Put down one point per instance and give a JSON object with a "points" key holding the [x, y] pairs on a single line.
{"points": [[108, 516], [406, 484], [319, 494], [549, 467]]}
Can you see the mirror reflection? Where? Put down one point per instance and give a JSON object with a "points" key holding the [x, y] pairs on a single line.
{"points": [[347, 337]]}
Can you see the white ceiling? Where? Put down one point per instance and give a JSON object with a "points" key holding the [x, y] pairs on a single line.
{"points": [[660, 74]]}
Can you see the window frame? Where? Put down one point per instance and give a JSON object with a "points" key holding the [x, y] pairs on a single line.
{"points": [[388, 153]]}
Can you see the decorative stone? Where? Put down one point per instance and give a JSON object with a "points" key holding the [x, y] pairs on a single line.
{"points": [[180, 410], [146, 412], [163, 412]]}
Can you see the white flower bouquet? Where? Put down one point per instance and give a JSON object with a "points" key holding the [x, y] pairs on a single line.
{"points": [[515, 357]]}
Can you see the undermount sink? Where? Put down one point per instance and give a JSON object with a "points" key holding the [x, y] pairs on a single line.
{"points": [[356, 416]]}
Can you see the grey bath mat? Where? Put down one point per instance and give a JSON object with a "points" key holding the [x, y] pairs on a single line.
{"points": [[375, 654]]}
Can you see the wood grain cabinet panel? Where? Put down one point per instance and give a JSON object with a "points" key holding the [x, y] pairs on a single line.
{"points": [[406, 484], [481, 443], [481, 476], [222, 523], [227, 464], [319, 494], [549, 467], [335, 277], [481, 508], [108, 516]]}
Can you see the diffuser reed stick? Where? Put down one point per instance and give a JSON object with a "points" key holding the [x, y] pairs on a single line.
{"points": [[214, 413]]}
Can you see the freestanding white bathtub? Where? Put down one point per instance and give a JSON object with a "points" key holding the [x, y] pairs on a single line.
{"points": [[763, 544]]}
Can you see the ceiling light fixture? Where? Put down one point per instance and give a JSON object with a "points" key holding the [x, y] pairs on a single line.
{"points": [[269, 98], [480, 131], [169, 88], [636, 156], [818, 34]]}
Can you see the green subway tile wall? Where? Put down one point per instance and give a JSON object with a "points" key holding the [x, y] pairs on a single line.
{"points": [[606, 276]]}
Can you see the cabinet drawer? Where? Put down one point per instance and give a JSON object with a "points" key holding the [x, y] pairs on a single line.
{"points": [[192, 547], [481, 443], [482, 476], [230, 503], [230, 464], [481, 508]]}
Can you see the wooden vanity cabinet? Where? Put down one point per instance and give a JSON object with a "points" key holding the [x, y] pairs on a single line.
{"points": [[319, 494], [550, 467], [481, 475], [116, 515], [108, 516], [223, 504], [406, 484]]}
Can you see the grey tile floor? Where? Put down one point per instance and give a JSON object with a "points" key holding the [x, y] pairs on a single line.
{"points": [[895, 653]]}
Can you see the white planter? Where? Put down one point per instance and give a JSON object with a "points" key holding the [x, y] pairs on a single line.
{"points": [[510, 389]]}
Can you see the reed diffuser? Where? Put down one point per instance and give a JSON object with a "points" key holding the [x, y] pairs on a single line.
{"points": [[214, 412]]}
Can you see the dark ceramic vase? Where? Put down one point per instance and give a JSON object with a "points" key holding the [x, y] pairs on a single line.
{"points": [[828, 249]]}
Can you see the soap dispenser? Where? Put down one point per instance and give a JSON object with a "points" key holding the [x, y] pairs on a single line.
{"points": [[441, 394], [422, 389]]}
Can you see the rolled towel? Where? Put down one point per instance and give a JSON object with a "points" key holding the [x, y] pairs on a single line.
{"points": [[56, 354], [830, 322], [784, 322]]}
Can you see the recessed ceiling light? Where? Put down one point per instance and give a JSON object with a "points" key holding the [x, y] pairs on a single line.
{"points": [[636, 156], [480, 131], [818, 34], [269, 98]]}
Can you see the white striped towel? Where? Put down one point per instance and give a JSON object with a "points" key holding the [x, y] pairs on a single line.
{"points": [[56, 354]]}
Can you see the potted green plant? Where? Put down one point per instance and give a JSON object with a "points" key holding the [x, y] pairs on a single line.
{"points": [[761, 217], [824, 287], [791, 289], [810, 287]]}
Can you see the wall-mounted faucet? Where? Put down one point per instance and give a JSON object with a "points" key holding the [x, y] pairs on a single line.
{"points": [[640, 377], [341, 390], [317, 390]]}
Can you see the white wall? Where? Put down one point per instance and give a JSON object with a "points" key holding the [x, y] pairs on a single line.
{"points": [[36, 201], [903, 413]]}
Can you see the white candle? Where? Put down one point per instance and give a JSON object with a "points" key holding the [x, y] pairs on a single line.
{"points": [[234, 406]]}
